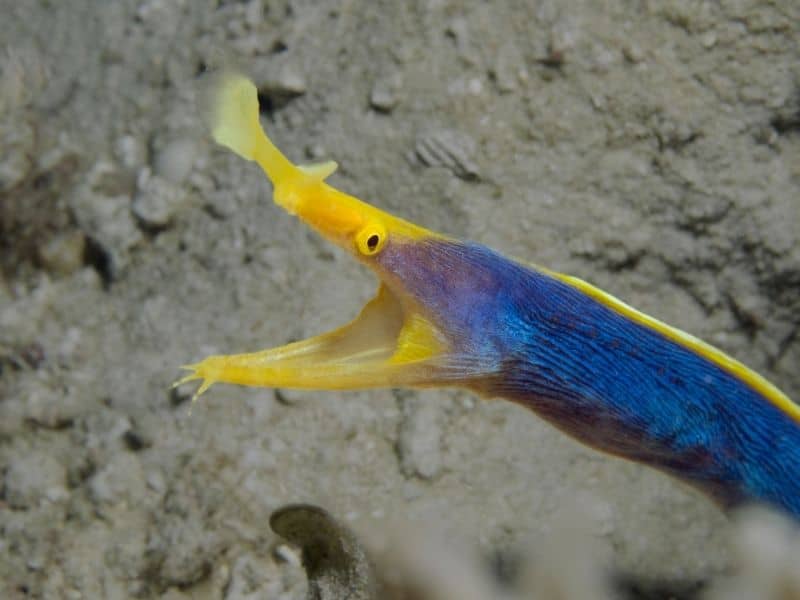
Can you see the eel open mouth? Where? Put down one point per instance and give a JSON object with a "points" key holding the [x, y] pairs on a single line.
{"points": [[384, 346]]}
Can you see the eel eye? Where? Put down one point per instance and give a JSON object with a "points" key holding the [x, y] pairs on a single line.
{"points": [[371, 239]]}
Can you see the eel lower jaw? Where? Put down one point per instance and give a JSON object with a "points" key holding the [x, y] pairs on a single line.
{"points": [[386, 345]]}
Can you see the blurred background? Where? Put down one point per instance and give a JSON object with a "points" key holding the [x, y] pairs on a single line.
{"points": [[652, 148]]}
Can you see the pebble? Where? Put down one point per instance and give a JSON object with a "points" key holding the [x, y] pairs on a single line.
{"points": [[130, 151], [562, 40], [709, 40], [156, 482], [101, 206], [157, 201], [63, 254], [33, 477], [175, 160], [419, 443], [384, 95], [633, 52], [40, 404], [281, 84]]}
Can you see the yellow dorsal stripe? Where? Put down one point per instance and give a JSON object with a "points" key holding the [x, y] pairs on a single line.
{"points": [[715, 355]]}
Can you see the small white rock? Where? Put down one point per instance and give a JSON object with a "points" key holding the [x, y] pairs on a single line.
{"points": [[101, 206], [709, 40], [290, 80], [286, 554], [384, 94], [130, 151], [34, 477], [174, 161], [63, 253], [157, 200]]}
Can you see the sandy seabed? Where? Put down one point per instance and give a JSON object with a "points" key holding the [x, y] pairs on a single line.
{"points": [[652, 148]]}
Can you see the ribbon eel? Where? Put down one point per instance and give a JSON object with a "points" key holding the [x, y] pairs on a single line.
{"points": [[455, 313]]}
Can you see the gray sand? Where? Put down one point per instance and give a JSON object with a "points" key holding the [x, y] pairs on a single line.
{"points": [[652, 148]]}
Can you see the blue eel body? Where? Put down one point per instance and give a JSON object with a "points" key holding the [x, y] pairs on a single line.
{"points": [[602, 377]]}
